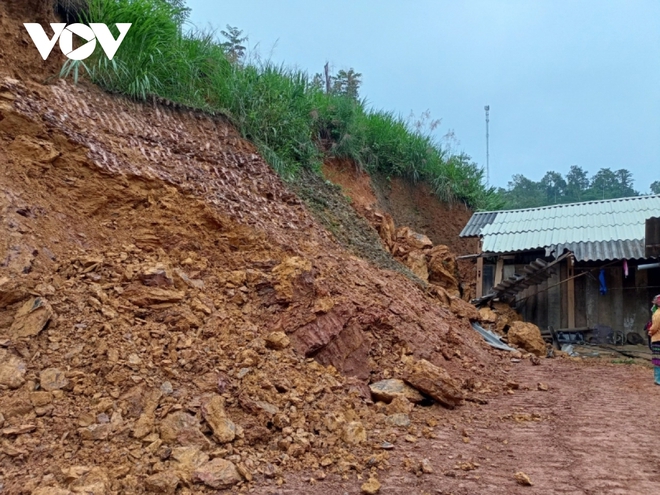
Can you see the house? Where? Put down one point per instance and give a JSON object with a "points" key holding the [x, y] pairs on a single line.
{"points": [[582, 266]]}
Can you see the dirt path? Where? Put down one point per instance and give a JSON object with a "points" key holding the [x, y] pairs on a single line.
{"points": [[588, 434]]}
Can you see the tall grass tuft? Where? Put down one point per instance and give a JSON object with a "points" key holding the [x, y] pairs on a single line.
{"points": [[293, 122]]}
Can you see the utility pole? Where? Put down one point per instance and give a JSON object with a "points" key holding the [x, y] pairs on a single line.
{"points": [[487, 108]]}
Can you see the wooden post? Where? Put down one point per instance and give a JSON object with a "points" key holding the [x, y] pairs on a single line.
{"points": [[499, 269], [480, 280], [570, 290]]}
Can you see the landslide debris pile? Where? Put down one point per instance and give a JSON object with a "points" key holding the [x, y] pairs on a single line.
{"points": [[173, 319]]}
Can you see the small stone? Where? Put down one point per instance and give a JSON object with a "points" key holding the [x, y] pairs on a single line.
{"points": [[398, 419], [354, 433], [426, 467], [387, 390], [134, 359], [244, 472], [387, 446], [166, 388], [277, 341], [217, 474], [53, 379], [242, 372], [12, 370], [164, 482], [410, 438], [95, 432], [184, 428], [543, 387], [522, 479], [224, 430], [41, 398], [51, 490], [371, 487]]}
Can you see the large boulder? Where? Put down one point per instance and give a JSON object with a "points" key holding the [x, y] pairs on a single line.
{"points": [[527, 336], [387, 390], [434, 381], [416, 261], [442, 268]]}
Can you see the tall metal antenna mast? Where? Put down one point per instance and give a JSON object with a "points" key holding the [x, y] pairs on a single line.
{"points": [[487, 108]]}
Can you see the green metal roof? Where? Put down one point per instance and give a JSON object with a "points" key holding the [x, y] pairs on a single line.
{"points": [[593, 230]]}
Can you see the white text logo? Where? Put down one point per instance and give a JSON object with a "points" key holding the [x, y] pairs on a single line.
{"points": [[91, 33]]}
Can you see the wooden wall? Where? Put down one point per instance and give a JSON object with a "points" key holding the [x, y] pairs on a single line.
{"points": [[625, 307]]}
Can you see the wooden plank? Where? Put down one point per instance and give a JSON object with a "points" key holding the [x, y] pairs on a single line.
{"points": [[554, 301], [581, 301], [499, 268], [616, 293], [606, 301], [480, 280], [591, 300], [570, 292], [563, 271], [542, 303]]}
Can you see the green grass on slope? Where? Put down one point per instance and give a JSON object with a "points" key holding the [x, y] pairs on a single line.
{"points": [[293, 123]]}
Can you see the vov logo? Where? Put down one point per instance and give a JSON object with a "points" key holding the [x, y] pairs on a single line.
{"points": [[92, 33]]}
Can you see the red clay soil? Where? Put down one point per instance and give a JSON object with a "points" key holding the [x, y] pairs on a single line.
{"points": [[411, 205], [590, 433], [147, 256]]}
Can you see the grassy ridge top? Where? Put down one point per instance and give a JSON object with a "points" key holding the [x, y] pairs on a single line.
{"points": [[294, 122]]}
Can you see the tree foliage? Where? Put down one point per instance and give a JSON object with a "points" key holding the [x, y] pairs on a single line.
{"points": [[344, 83], [234, 48], [655, 187], [577, 186]]}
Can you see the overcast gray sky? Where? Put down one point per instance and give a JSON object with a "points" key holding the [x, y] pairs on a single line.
{"points": [[568, 82]]}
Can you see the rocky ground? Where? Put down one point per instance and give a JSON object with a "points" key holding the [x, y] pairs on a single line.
{"points": [[569, 427]]}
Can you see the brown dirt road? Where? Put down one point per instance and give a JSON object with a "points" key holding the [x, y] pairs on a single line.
{"points": [[588, 434]]}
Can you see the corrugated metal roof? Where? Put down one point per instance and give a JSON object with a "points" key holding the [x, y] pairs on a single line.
{"points": [[594, 230], [477, 222]]}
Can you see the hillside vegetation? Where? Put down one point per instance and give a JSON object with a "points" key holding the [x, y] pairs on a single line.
{"points": [[293, 120]]}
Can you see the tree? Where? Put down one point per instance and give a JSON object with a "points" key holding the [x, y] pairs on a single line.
{"points": [[181, 11], [554, 187], [523, 193], [655, 187], [606, 184], [577, 183], [347, 83], [233, 47]]}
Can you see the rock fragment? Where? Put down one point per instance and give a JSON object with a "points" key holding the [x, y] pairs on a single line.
{"points": [[528, 337], [522, 479], [224, 430], [387, 390], [371, 487], [12, 370], [217, 474], [277, 341], [53, 379], [31, 318], [164, 482], [433, 381], [354, 433]]}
